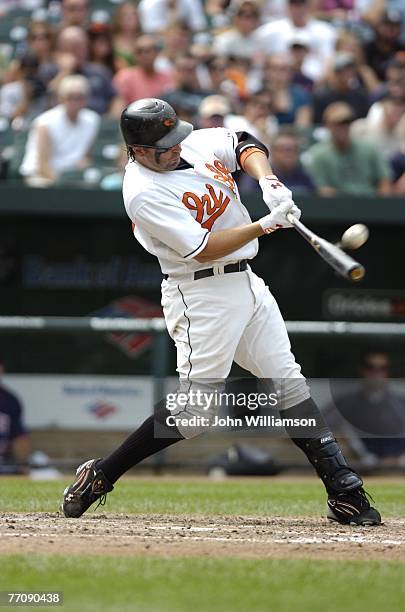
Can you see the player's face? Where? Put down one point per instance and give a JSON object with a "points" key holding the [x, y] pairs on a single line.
{"points": [[158, 159]]}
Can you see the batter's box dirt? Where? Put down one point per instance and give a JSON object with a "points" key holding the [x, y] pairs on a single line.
{"points": [[169, 535]]}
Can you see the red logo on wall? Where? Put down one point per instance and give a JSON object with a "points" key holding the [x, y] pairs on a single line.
{"points": [[102, 410], [131, 307]]}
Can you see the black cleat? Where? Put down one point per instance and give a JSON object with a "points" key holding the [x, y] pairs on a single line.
{"points": [[90, 485], [352, 508]]}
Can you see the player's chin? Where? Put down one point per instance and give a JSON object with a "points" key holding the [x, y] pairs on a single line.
{"points": [[172, 164]]}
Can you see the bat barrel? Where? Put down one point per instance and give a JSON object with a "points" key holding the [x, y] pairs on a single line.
{"points": [[357, 273], [340, 261]]}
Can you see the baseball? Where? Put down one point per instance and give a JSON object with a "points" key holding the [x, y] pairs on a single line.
{"points": [[355, 236]]}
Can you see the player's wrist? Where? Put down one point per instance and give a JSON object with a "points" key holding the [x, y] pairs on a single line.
{"points": [[259, 231], [264, 181], [266, 225]]}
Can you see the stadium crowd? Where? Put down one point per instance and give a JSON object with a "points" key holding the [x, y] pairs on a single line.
{"points": [[321, 82]]}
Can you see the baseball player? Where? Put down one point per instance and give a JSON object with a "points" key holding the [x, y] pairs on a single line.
{"points": [[185, 209]]}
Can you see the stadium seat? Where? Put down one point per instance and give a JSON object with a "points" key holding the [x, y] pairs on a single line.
{"points": [[13, 25], [19, 142]]}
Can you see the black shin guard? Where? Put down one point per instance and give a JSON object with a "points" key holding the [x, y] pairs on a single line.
{"points": [[322, 449], [330, 465], [140, 444]]}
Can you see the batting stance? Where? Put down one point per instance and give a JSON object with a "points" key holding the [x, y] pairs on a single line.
{"points": [[185, 208]]}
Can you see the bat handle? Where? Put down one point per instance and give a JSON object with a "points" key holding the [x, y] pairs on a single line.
{"points": [[293, 220]]}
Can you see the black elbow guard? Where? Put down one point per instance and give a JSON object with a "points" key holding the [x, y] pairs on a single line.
{"points": [[247, 141]]}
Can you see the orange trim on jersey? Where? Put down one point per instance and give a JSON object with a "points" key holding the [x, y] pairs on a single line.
{"points": [[133, 227], [247, 153]]}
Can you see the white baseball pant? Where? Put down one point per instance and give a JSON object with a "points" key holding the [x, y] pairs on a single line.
{"points": [[230, 317]]}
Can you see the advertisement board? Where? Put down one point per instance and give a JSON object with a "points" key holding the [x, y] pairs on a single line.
{"points": [[83, 402]]}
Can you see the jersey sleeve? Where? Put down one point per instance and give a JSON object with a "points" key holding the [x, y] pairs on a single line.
{"points": [[173, 226], [219, 142], [225, 143]]}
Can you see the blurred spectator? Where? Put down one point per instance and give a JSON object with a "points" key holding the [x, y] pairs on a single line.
{"points": [[126, 29], [113, 181], [372, 416], [384, 126], [349, 42], [74, 13], [291, 103], [143, 80], [394, 86], [156, 14], [343, 86], [60, 139], [101, 49], [337, 11], [386, 43], [239, 39], [15, 442], [276, 36], [212, 112], [217, 76], [186, 94], [373, 10], [244, 75], [286, 164], [72, 57], [177, 41], [299, 49], [41, 41], [344, 164], [256, 118], [274, 9], [26, 95], [217, 13]]}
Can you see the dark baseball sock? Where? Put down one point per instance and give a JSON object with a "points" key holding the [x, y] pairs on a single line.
{"points": [[151, 437], [306, 410]]}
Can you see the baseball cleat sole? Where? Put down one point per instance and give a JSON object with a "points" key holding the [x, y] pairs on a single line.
{"points": [[370, 518]]}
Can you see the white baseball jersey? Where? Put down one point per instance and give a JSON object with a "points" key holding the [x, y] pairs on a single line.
{"points": [[174, 212]]}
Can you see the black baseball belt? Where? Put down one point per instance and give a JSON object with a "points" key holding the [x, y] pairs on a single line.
{"points": [[239, 266]]}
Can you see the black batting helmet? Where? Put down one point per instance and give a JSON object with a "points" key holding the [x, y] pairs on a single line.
{"points": [[153, 123]]}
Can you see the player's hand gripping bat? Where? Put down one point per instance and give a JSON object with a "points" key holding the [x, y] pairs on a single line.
{"points": [[340, 261]]}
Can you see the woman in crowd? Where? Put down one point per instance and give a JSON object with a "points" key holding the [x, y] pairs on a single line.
{"points": [[40, 43], [101, 50], [176, 41], [126, 29], [291, 103], [348, 42]]}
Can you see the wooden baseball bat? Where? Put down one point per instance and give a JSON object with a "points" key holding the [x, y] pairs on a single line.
{"points": [[340, 261]]}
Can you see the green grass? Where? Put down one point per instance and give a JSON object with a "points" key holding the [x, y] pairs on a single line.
{"points": [[201, 585], [269, 497], [205, 584]]}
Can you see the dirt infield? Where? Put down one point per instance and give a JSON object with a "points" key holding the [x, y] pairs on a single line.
{"points": [[167, 535]]}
